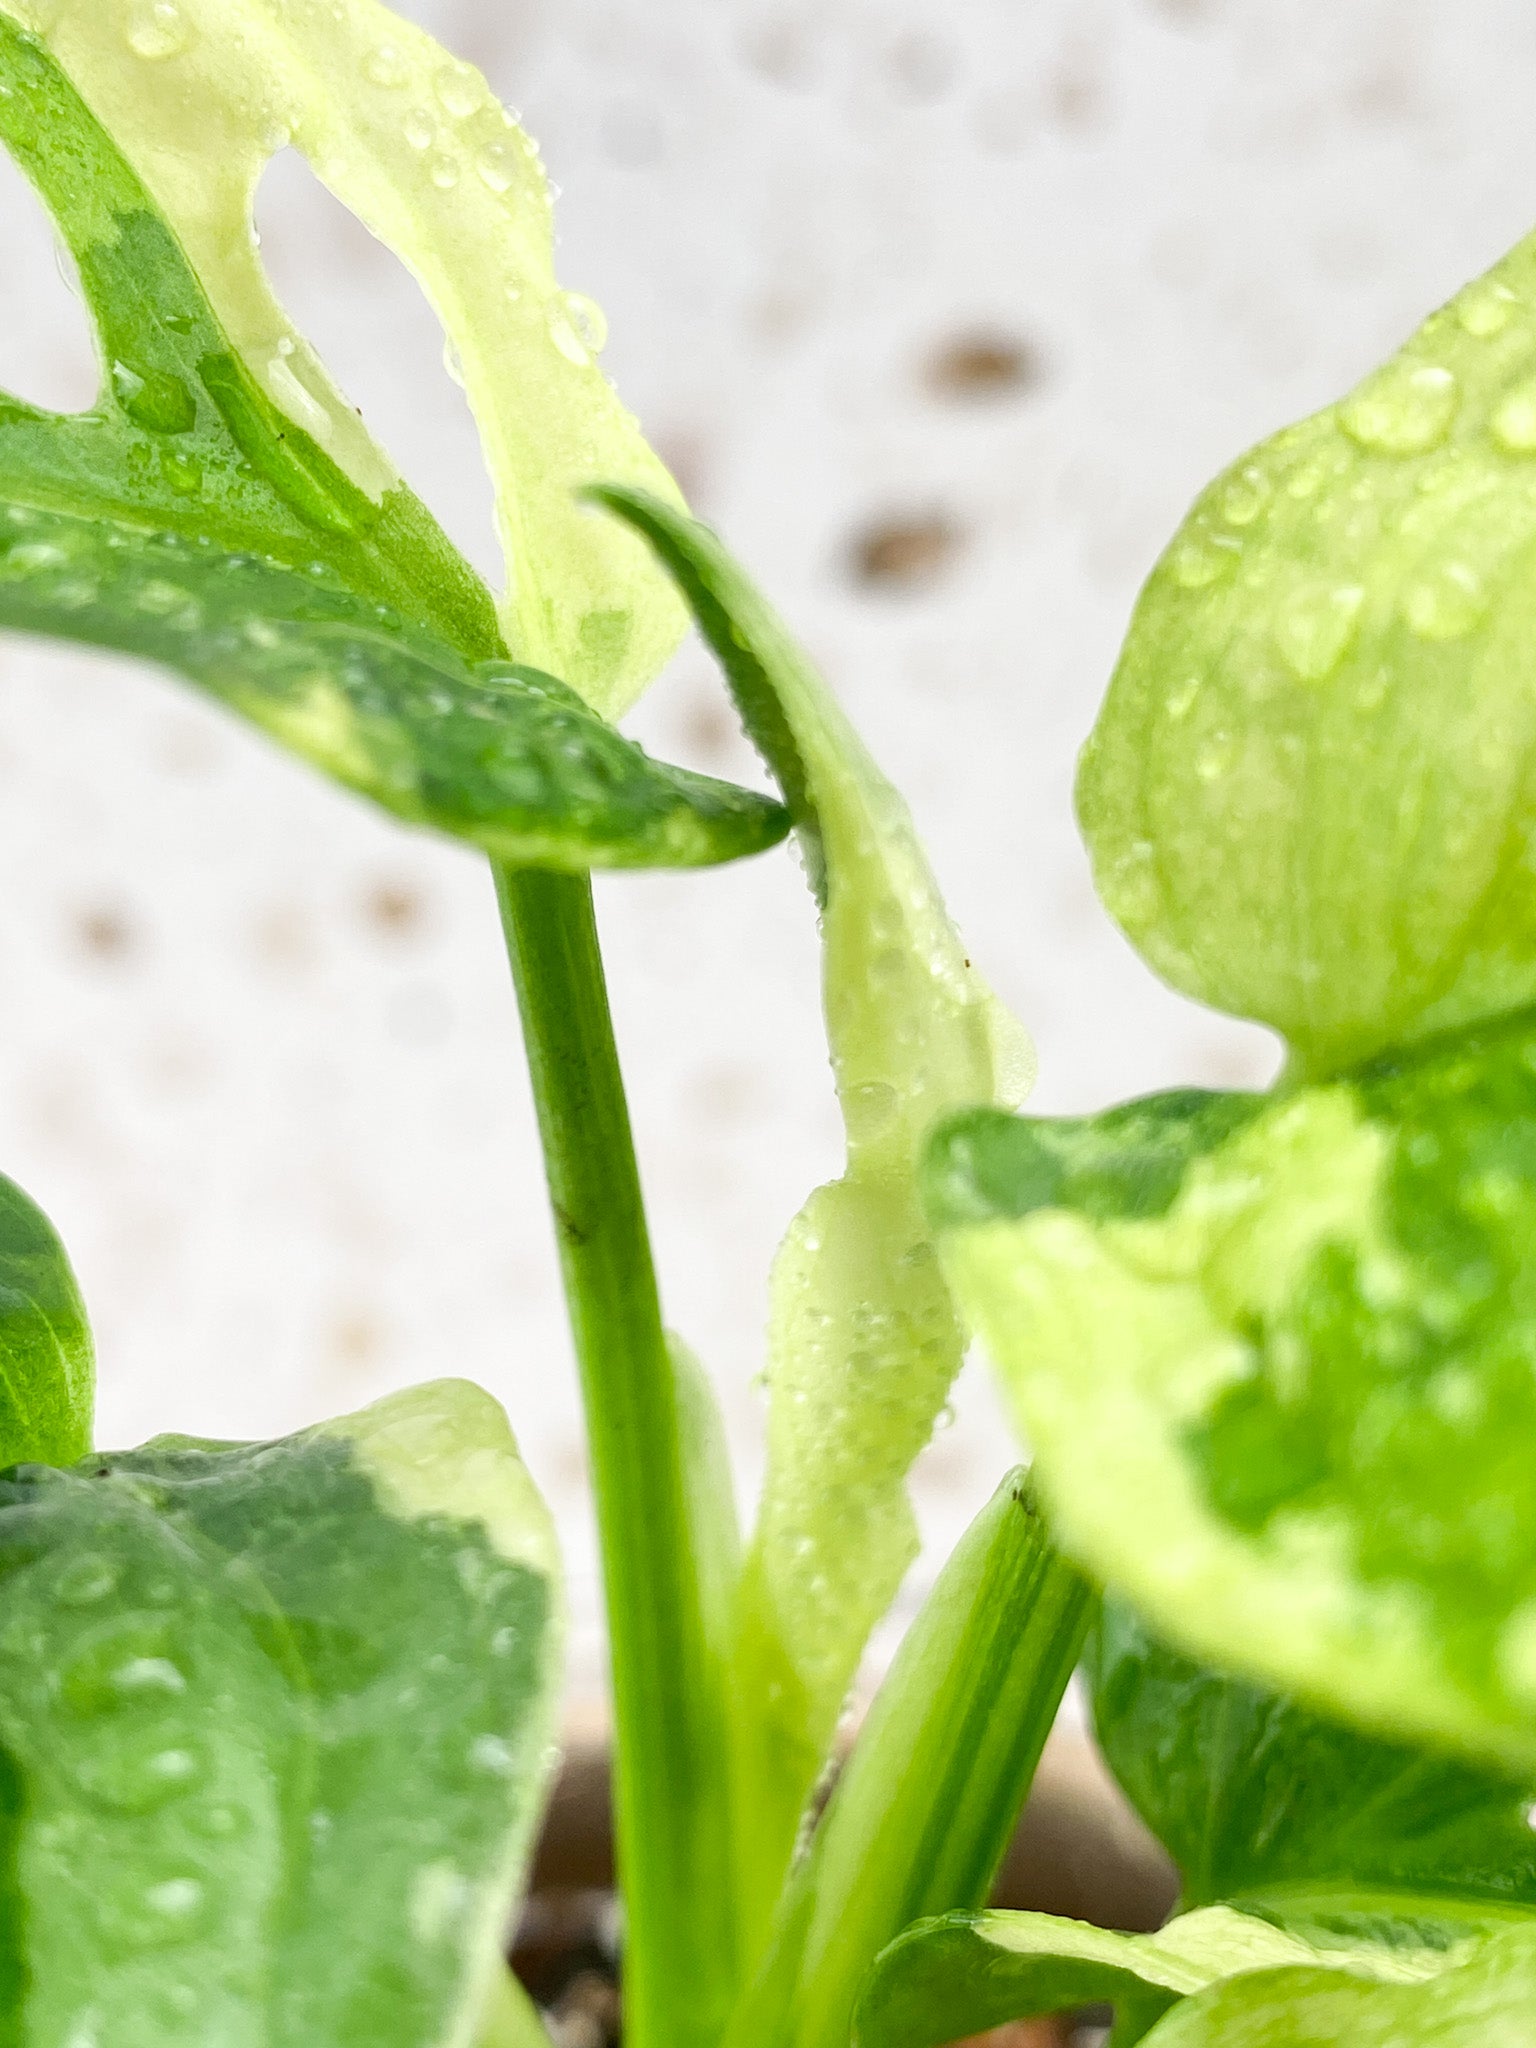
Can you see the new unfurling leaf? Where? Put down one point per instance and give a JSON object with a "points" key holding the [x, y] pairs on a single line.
{"points": [[864, 1341]]}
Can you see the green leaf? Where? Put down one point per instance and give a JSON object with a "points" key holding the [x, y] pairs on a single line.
{"points": [[502, 756], [968, 1972], [416, 145], [186, 437], [1252, 1793], [47, 1366], [1309, 795], [1488, 2001], [926, 1806], [189, 521], [864, 1341], [1306, 1366], [279, 1719]]}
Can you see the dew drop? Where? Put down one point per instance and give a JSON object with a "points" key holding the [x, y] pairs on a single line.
{"points": [[1180, 699], [1372, 693], [119, 1661], [1245, 496], [1514, 424], [218, 1823], [588, 319], [166, 1911], [129, 1767], [444, 173], [491, 1754], [386, 67], [159, 599], [1215, 757], [156, 401], [86, 1580], [496, 165], [183, 473], [1307, 479], [1132, 889], [1405, 408], [459, 90], [1197, 564], [293, 397], [34, 556], [420, 129], [1447, 603], [158, 29], [1484, 309], [870, 1109], [1314, 631]]}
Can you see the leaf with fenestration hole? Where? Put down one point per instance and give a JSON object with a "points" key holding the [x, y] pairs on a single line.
{"points": [[189, 520], [275, 1724], [414, 143]]}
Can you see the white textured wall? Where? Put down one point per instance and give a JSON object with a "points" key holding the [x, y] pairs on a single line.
{"points": [[257, 1051]]}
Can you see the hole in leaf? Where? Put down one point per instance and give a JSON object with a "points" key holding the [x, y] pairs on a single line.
{"points": [[382, 344], [47, 343]]}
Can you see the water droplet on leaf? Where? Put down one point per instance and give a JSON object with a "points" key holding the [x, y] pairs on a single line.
{"points": [[497, 167], [578, 327], [1484, 309], [182, 472], [1181, 698], [385, 66], [1314, 631], [154, 400], [1514, 424], [1245, 497], [86, 1580], [420, 129], [1446, 603], [1405, 408], [1198, 563], [158, 29], [459, 89]]}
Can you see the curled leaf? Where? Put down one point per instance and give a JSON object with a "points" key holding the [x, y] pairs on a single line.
{"points": [[864, 1341], [1311, 793]]}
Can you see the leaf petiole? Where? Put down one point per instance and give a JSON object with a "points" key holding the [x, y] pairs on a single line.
{"points": [[670, 1772]]}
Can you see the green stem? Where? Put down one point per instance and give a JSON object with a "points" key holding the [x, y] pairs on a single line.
{"points": [[671, 1788], [920, 1819]]}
